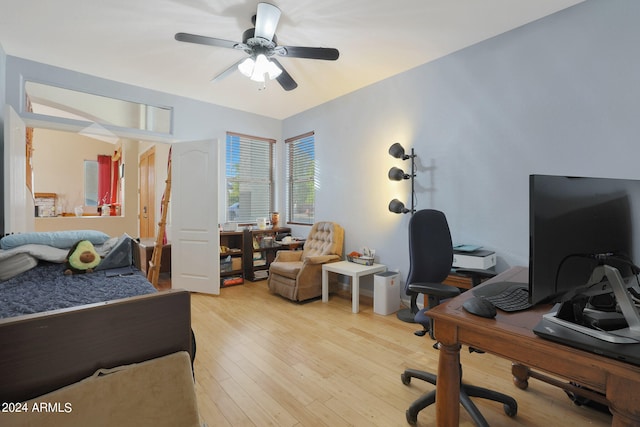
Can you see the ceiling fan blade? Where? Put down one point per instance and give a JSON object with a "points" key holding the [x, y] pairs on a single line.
{"points": [[228, 71], [326, 53], [267, 19], [285, 79], [210, 41]]}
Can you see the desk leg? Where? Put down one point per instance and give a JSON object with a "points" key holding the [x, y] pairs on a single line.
{"points": [[521, 375], [448, 386], [325, 285], [623, 402]]}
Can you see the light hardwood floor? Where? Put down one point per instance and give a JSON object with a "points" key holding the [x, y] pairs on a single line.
{"points": [[265, 361]]}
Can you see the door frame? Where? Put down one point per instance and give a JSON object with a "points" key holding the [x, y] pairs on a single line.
{"points": [[151, 189]]}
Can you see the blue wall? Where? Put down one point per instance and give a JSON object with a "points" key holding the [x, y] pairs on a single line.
{"points": [[558, 96]]}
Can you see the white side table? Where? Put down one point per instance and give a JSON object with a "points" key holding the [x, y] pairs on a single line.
{"points": [[354, 271]]}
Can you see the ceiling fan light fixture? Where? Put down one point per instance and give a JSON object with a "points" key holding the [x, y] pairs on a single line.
{"points": [[246, 67], [273, 70], [257, 69], [260, 68]]}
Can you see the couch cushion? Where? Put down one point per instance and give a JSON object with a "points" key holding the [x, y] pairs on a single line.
{"points": [[286, 269]]}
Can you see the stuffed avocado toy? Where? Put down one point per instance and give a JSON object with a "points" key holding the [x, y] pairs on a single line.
{"points": [[82, 258]]}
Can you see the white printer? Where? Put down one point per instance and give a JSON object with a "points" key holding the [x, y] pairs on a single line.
{"points": [[478, 259]]}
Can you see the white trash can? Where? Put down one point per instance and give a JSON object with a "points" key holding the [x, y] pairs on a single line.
{"points": [[386, 292]]}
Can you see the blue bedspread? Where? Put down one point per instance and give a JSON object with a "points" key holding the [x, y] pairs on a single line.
{"points": [[46, 287]]}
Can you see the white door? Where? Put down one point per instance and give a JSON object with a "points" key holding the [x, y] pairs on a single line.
{"points": [[19, 206], [195, 240]]}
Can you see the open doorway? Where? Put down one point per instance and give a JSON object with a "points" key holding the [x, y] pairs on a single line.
{"points": [[58, 168], [147, 179]]}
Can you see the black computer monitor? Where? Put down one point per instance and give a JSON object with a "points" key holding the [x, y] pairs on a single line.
{"points": [[575, 222]]}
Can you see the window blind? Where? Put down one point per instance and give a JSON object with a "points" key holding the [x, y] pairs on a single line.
{"points": [[249, 177], [301, 179]]}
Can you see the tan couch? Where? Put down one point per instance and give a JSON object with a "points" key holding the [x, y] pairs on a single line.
{"points": [[297, 275]]}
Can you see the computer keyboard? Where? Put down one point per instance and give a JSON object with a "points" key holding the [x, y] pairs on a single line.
{"points": [[513, 298]]}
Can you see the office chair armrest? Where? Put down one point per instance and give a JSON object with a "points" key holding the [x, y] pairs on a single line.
{"points": [[321, 259], [436, 289]]}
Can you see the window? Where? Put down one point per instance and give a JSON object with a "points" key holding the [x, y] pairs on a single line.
{"points": [[99, 110], [249, 177], [90, 183], [301, 179]]}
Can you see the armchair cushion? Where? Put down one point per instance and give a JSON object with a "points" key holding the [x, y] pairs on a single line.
{"points": [[288, 269]]}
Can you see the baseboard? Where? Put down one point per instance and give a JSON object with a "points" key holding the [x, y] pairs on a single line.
{"points": [[346, 287], [368, 293]]}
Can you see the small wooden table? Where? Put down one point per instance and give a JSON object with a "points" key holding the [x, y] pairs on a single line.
{"points": [[354, 271], [510, 336]]}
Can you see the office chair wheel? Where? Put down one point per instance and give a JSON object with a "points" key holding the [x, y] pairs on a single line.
{"points": [[510, 409], [412, 418], [406, 379]]}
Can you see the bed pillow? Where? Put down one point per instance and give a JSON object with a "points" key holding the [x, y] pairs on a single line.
{"points": [[119, 256], [16, 264], [57, 239], [39, 252]]}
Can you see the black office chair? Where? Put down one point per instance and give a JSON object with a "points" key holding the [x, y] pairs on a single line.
{"points": [[430, 259], [431, 256], [427, 265]]}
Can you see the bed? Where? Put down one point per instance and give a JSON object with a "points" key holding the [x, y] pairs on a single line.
{"points": [[57, 329]]}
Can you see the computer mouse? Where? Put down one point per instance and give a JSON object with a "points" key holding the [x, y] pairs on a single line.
{"points": [[480, 307]]}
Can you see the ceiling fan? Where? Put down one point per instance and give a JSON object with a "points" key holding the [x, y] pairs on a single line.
{"points": [[260, 43]]}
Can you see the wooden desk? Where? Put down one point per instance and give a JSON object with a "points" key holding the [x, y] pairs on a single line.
{"points": [[511, 336]]}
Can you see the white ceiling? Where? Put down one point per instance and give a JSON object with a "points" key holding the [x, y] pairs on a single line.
{"points": [[132, 41]]}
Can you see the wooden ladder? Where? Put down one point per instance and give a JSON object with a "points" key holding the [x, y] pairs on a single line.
{"points": [[153, 272]]}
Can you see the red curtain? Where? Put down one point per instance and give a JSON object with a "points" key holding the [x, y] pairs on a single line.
{"points": [[114, 181], [104, 179]]}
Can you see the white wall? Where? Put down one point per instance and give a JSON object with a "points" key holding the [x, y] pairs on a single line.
{"points": [[557, 96]]}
